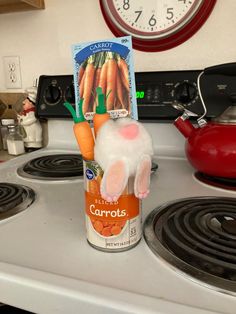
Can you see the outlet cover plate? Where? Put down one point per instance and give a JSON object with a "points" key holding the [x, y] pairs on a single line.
{"points": [[12, 72]]}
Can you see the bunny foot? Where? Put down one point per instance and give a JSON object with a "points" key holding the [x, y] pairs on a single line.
{"points": [[109, 198], [114, 181], [142, 195], [142, 178]]}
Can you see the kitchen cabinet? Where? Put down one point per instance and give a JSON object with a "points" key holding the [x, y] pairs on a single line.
{"points": [[8, 6]]}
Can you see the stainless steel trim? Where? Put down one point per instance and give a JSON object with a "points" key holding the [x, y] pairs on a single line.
{"points": [[227, 117]]}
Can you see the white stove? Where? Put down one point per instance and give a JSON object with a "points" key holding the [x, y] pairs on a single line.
{"points": [[47, 266]]}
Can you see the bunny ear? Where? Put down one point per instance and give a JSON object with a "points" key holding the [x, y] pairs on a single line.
{"points": [[114, 180], [142, 177]]}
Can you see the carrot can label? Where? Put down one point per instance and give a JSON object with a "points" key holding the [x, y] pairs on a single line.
{"points": [[111, 226], [109, 65]]}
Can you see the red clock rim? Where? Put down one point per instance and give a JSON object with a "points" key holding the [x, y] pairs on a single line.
{"points": [[171, 41]]}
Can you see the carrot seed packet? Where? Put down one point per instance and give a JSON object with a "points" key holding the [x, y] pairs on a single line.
{"points": [[109, 65]]}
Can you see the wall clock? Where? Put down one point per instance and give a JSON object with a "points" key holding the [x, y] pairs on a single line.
{"points": [[156, 25]]}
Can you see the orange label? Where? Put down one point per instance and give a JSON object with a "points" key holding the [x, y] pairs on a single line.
{"points": [[126, 207]]}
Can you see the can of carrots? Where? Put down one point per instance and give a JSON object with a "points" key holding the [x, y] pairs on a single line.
{"points": [[111, 226]]}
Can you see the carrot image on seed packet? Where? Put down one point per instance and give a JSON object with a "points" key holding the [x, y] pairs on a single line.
{"points": [[110, 72], [88, 83], [105, 64]]}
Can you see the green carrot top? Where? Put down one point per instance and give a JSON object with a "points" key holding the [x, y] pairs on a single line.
{"points": [[100, 108], [76, 119]]}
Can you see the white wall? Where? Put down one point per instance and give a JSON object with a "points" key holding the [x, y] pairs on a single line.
{"points": [[43, 39]]}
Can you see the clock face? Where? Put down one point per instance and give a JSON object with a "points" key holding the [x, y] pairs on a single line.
{"points": [[156, 25]]}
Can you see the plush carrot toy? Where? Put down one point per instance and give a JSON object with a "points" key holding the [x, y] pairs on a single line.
{"points": [[83, 132], [101, 115]]}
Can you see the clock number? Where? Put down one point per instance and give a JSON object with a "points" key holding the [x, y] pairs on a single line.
{"points": [[169, 14], [152, 21], [139, 13], [126, 5], [184, 1]]}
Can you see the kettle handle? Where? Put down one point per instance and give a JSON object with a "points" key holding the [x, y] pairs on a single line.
{"points": [[228, 69]]}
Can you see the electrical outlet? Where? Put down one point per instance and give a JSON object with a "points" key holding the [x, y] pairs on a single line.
{"points": [[12, 72]]}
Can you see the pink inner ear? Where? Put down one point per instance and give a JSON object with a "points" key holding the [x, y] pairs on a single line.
{"points": [[129, 131]]}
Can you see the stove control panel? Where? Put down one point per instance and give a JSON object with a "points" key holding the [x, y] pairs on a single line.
{"points": [[155, 92], [53, 91]]}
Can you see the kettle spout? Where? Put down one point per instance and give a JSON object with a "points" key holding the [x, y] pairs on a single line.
{"points": [[184, 126]]}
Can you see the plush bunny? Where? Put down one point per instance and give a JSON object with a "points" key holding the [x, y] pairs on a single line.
{"points": [[123, 149]]}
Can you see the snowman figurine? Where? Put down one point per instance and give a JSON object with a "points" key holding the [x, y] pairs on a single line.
{"points": [[32, 128]]}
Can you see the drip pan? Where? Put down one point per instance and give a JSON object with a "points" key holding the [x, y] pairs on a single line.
{"points": [[14, 198]]}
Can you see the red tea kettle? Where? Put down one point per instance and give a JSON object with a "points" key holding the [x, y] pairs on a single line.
{"points": [[211, 147]]}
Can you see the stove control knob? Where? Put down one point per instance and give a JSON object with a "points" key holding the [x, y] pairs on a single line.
{"points": [[185, 92], [52, 94]]}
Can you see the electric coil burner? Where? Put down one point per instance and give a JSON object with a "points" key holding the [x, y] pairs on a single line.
{"points": [[14, 198], [56, 167], [53, 167], [198, 237], [223, 183]]}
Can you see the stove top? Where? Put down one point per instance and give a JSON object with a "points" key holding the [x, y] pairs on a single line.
{"points": [[56, 167], [14, 198], [53, 167], [198, 236], [53, 226]]}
